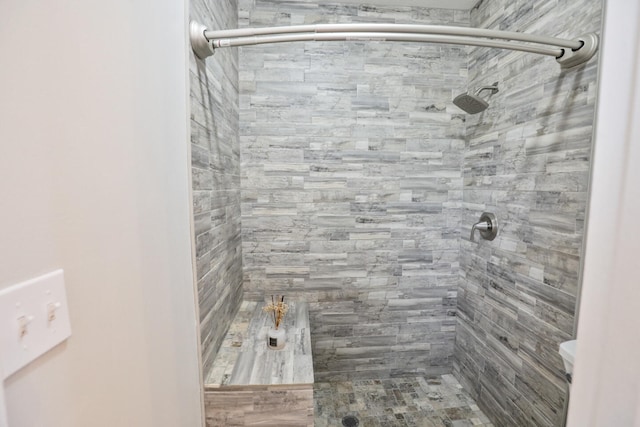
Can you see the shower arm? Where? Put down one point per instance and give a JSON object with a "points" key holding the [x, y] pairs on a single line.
{"points": [[493, 88], [569, 53]]}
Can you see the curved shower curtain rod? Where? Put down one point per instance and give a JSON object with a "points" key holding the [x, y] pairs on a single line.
{"points": [[568, 53]]}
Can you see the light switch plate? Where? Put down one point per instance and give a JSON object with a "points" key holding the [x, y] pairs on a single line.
{"points": [[33, 319]]}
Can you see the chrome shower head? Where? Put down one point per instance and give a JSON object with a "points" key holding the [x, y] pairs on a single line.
{"points": [[473, 104]]}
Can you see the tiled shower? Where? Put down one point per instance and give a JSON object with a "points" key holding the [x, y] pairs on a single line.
{"points": [[342, 174]]}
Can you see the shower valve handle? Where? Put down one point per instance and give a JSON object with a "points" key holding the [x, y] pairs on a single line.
{"points": [[482, 226], [488, 227]]}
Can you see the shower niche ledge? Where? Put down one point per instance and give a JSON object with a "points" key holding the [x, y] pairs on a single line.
{"points": [[250, 384]]}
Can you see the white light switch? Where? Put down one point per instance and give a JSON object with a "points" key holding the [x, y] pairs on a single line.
{"points": [[33, 319]]}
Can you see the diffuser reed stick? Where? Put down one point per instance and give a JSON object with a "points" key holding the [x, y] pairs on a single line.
{"points": [[278, 308]]}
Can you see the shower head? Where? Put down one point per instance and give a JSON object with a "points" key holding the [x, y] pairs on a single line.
{"points": [[473, 104]]}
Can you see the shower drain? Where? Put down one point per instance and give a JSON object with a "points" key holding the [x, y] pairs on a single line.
{"points": [[350, 421]]}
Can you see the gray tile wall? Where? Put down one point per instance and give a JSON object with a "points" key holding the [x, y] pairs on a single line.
{"points": [[527, 159], [215, 160], [264, 406], [352, 186]]}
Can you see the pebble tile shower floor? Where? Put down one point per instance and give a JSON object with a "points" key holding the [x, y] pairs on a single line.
{"points": [[411, 401]]}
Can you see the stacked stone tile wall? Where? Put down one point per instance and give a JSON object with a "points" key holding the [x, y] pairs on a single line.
{"points": [[215, 161], [527, 160], [352, 186]]}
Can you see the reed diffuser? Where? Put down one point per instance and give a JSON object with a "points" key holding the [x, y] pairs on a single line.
{"points": [[276, 334]]}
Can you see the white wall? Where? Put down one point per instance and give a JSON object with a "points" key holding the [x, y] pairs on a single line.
{"points": [[94, 179], [606, 388]]}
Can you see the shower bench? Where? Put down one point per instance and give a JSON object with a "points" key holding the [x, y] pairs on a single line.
{"points": [[250, 384]]}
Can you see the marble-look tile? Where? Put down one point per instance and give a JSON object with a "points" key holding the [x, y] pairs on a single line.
{"points": [[215, 165], [251, 385], [425, 401], [351, 186], [527, 159], [268, 406], [244, 359]]}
